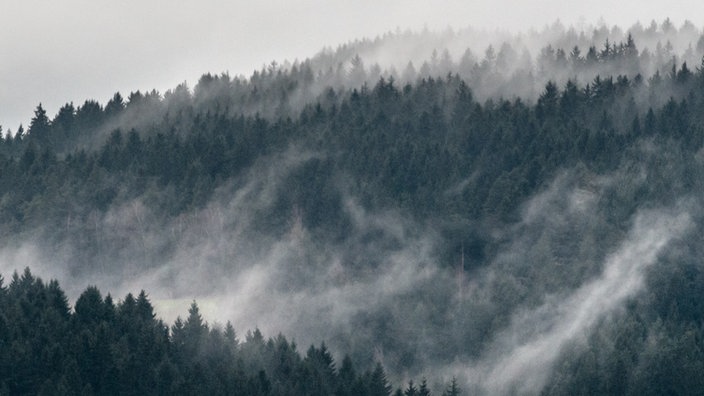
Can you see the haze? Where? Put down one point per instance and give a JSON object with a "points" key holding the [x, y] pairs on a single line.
{"points": [[58, 52]]}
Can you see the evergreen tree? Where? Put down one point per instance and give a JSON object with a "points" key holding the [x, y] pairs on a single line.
{"points": [[39, 127], [452, 389], [378, 384], [423, 389], [411, 390]]}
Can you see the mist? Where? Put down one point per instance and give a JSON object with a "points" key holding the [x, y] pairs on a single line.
{"points": [[470, 203], [522, 356], [76, 51], [506, 62], [287, 283], [356, 294]]}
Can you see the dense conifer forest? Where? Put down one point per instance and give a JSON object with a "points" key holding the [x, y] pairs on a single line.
{"points": [[106, 348], [511, 224]]}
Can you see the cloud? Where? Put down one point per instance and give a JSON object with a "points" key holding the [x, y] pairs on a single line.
{"points": [[520, 359]]}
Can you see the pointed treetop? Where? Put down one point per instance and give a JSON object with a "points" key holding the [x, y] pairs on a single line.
{"points": [[379, 384], [39, 125], [144, 307], [231, 335], [452, 389]]}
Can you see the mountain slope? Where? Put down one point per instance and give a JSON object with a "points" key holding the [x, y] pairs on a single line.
{"points": [[408, 223]]}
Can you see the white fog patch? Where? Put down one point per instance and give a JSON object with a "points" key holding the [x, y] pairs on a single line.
{"points": [[27, 255], [573, 194], [290, 283], [520, 360], [265, 296]]}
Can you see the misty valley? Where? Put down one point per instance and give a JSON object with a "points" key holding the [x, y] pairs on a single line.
{"points": [[446, 213]]}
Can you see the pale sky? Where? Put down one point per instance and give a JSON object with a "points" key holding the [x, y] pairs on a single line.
{"points": [[56, 52]]}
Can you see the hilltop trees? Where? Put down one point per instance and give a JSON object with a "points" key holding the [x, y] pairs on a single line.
{"points": [[39, 127]]}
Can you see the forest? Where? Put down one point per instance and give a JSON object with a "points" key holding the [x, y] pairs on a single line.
{"points": [[512, 224], [100, 347]]}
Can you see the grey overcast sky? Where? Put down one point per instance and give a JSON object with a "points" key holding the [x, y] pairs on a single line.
{"points": [[56, 52]]}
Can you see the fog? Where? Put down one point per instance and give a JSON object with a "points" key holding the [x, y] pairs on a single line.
{"points": [[77, 50], [287, 283], [527, 349], [495, 65], [392, 288], [359, 294]]}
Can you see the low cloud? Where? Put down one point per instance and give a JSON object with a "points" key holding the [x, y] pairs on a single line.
{"points": [[521, 358]]}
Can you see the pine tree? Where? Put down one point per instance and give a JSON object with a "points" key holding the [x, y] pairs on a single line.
{"points": [[231, 337], [423, 390], [452, 389], [411, 390], [378, 384], [39, 126]]}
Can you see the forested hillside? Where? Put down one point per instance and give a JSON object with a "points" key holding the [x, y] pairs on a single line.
{"points": [[459, 221]]}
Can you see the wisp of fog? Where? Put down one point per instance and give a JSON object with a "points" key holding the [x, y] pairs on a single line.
{"points": [[522, 355]]}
